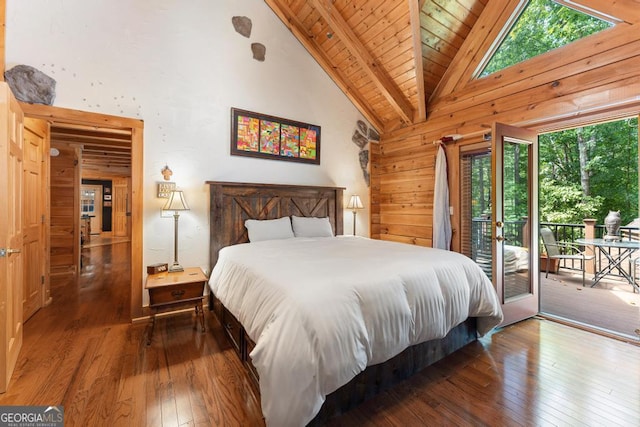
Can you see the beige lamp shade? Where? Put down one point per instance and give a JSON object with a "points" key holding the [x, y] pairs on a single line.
{"points": [[355, 202], [176, 202]]}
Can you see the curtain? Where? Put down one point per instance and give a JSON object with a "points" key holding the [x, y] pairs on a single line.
{"points": [[441, 218]]}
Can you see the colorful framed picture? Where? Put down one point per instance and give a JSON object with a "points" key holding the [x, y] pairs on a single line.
{"points": [[269, 137]]}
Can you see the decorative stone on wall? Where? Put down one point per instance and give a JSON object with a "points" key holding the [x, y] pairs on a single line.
{"points": [[363, 135], [259, 50], [31, 85], [243, 25]]}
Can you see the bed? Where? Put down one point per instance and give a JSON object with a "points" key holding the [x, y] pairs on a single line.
{"points": [[516, 258], [317, 344]]}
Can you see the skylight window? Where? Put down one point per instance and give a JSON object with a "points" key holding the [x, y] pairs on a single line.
{"points": [[542, 26]]}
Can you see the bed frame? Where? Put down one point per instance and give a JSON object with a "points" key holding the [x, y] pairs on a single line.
{"points": [[231, 203]]}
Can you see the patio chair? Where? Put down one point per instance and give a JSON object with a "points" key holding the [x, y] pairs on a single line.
{"points": [[563, 250]]}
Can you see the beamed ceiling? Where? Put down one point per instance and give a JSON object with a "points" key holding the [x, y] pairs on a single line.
{"points": [[105, 151], [393, 58]]}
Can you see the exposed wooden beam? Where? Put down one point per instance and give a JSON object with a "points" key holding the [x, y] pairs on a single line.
{"points": [[624, 10], [416, 35], [102, 164], [49, 113], [125, 133], [476, 46], [102, 160], [606, 50], [104, 141], [370, 66], [112, 151], [288, 18]]}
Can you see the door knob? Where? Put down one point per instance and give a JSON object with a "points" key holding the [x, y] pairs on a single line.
{"points": [[500, 238], [9, 251]]}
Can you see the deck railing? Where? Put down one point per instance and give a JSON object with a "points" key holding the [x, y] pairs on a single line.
{"points": [[564, 232], [571, 232]]}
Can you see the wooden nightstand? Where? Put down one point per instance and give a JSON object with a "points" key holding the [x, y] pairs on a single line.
{"points": [[172, 291]]}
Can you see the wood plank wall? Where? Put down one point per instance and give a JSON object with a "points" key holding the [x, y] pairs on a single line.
{"points": [[65, 196], [592, 79]]}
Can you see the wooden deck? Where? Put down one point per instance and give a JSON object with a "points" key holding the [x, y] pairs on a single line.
{"points": [[611, 305]]}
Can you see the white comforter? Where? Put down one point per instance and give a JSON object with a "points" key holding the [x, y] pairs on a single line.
{"points": [[322, 309]]}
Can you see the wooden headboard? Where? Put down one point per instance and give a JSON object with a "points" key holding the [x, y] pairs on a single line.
{"points": [[231, 203]]}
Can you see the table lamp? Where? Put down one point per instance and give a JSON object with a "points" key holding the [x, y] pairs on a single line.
{"points": [[354, 204], [176, 203]]}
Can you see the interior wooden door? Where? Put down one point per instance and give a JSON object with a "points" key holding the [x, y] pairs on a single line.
{"points": [[514, 221], [121, 207], [35, 252], [11, 217]]}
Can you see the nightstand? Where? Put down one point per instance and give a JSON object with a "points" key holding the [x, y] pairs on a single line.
{"points": [[173, 291]]}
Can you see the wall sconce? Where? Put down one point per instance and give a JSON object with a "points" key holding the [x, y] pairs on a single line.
{"points": [[165, 188], [354, 204], [176, 203], [166, 172]]}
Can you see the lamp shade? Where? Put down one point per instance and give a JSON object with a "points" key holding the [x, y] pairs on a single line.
{"points": [[176, 202], [355, 202]]}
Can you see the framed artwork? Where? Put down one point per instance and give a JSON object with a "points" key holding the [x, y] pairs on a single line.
{"points": [[269, 137], [107, 197]]}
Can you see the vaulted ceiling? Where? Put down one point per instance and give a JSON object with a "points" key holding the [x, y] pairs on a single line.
{"points": [[392, 57], [397, 60]]}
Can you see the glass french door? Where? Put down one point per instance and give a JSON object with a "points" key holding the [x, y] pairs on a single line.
{"points": [[514, 228]]}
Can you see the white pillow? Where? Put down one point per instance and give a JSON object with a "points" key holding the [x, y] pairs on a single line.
{"points": [[269, 229], [311, 227]]}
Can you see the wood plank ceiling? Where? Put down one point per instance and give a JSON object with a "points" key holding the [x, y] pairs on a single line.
{"points": [[393, 57], [369, 49], [104, 151]]}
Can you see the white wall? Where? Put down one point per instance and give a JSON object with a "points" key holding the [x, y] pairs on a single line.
{"points": [[180, 66]]}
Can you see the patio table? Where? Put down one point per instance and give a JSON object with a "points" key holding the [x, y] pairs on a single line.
{"points": [[626, 248]]}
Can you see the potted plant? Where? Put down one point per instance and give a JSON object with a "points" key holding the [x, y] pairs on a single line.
{"points": [[554, 263]]}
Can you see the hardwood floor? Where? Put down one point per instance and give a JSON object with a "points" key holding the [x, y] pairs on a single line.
{"points": [[83, 353]]}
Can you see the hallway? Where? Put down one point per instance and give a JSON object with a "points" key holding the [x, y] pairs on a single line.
{"points": [[82, 352]]}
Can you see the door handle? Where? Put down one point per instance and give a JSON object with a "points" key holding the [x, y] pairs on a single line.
{"points": [[8, 251], [500, 238]]}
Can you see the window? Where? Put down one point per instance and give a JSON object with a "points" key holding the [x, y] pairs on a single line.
{"points": [[87, 202], [542, 26]]}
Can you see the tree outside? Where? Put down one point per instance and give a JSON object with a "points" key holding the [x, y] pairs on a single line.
{"points": [[587, 171], [542, 26]]}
